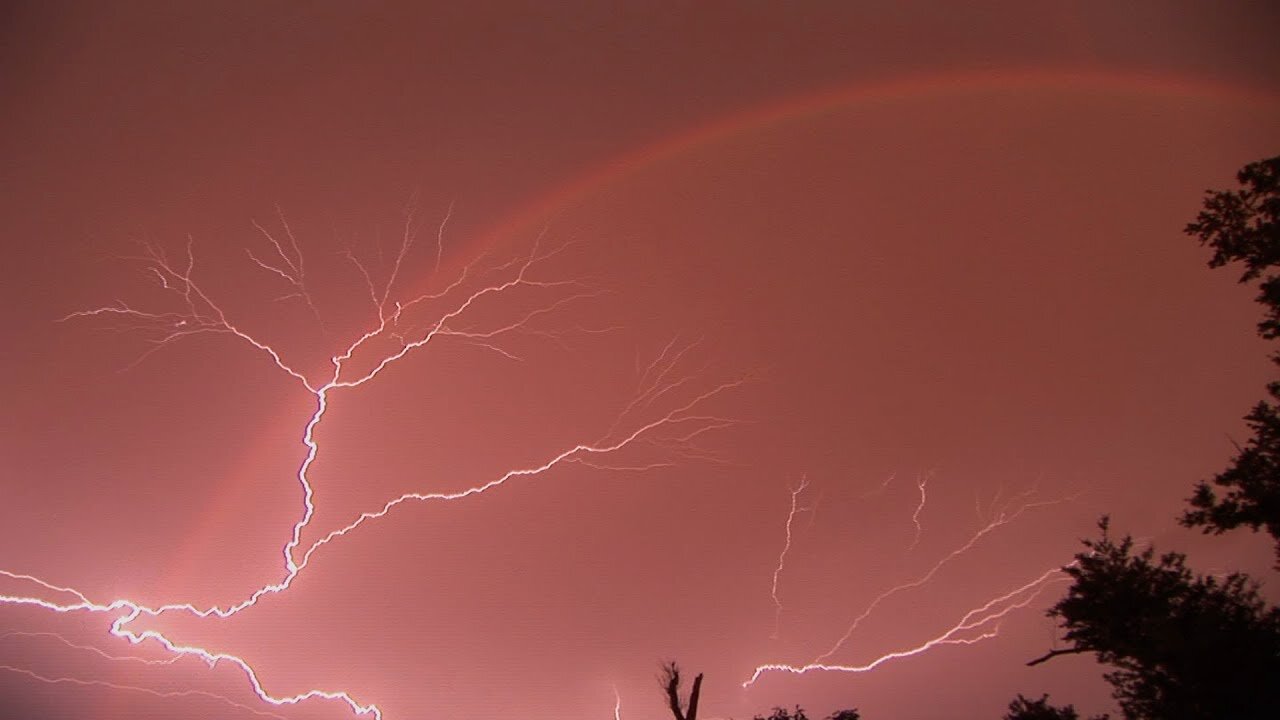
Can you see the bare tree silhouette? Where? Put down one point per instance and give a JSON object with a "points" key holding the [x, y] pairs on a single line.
{"points": [[670, 680]]}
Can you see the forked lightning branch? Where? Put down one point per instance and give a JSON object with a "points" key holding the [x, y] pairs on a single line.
{"points": [[669, 412]]}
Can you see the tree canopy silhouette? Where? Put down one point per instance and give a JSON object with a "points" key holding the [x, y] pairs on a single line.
{"points": [[1244, 226], [1183, 646], [1186, 646], [780, 713], [1024, 709]]}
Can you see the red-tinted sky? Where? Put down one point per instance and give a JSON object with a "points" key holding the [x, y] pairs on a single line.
{"points": [[939, 247]]}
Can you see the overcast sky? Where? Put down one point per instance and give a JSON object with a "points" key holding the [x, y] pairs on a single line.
{"points": [[763, 333]]}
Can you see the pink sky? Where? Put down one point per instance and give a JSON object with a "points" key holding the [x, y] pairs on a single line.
{"points": [[926, 261]]}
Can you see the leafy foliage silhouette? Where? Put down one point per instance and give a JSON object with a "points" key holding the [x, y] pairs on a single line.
{"points": [[1184, 646], [1024, 709], [1244, 226], [799, 714], [780, 713]]}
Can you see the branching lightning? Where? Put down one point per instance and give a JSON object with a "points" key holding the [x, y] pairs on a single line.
{"points": [[397, 330], [782, 556], [135, 688], [978, 624], [90, 648], [653, 417]]}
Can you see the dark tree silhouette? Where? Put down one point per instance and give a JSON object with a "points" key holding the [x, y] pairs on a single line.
{"points": [[671, 682], [1023, 709], [1187, 646], [1184, 646], [780, 713], [1244, 226]]}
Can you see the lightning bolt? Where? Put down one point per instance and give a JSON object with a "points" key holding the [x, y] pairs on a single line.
{"points": [[921, 481], [782, 556], [978, 624], [397, 331], [135, 688], [288, 265], [1000, 519], [88, 648], [881, 488]]}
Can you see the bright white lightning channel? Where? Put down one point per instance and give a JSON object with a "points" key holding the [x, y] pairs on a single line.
{"points": [[198, 313]]}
